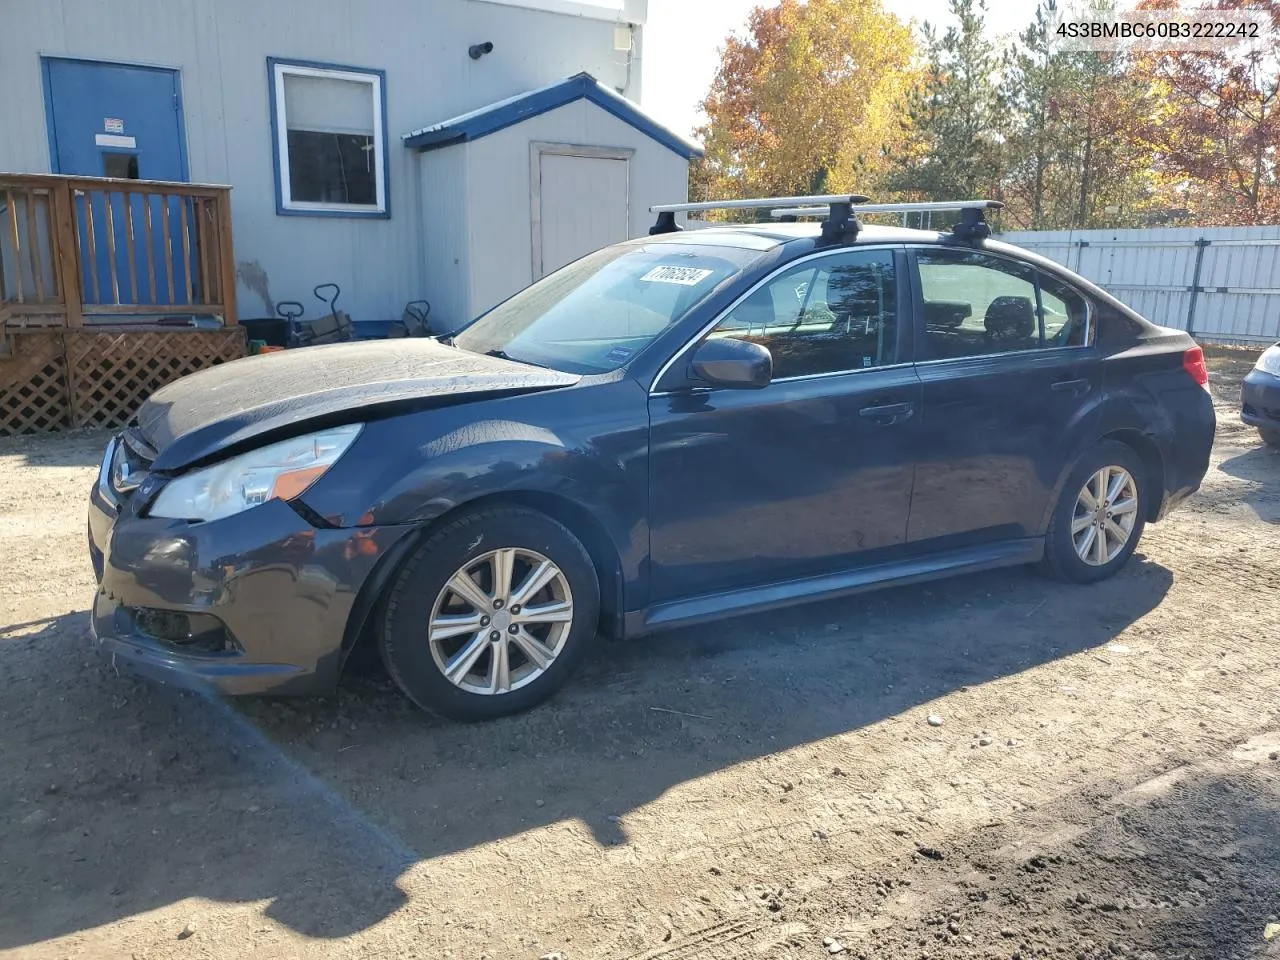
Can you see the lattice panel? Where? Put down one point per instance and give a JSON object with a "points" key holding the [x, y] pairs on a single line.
{"points": [[113, 373], [33, 385]]}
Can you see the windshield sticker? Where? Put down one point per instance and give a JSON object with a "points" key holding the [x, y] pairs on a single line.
{"points": [[684, 276], [619, 355]]}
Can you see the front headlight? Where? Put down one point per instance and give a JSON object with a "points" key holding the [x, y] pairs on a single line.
{"points": [[1269, 362], [281, 470]]}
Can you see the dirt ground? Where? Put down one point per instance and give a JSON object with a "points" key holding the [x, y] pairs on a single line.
{"points": [[1106, 781]]}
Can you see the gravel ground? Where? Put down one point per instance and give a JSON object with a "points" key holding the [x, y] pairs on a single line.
{"points": [[1105, 780]]}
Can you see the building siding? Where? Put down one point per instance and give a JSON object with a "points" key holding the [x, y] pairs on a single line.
{"points": [[446, 234], [221, 50], [499, 199]]}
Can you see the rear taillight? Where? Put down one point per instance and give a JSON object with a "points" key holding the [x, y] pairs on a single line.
{"points": [[1193, 363]]}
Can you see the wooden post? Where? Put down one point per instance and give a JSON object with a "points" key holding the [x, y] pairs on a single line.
{"points": [[168, 243], [111, 246], [12, 207], [91, 254], [133, 242], [186, 248], [227, 260], [62, 226], [33, 243]]}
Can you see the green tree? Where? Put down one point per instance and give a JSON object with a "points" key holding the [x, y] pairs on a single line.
{"points": [[955, 117], [1034, 79], [1074, 154]]}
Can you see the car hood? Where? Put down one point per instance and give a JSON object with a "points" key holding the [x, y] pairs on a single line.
{"points": [[252, 401]]}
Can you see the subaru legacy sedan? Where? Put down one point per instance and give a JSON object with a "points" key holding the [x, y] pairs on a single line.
{"points": [[694, 425]]}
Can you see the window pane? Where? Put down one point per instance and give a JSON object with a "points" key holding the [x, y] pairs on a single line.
{"points": [[329, 132], [328, 105], [830, 315], [1065, 314], [123, 166], [331, 168], [975, 304]]}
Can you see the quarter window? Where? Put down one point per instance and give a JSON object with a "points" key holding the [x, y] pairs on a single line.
{"points": [[330, 143], [828, 315], [974, 304]]}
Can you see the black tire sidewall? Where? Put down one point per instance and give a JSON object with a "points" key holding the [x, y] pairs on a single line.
{"points": [[403, 637], [1270, 437], [1060, 553]]}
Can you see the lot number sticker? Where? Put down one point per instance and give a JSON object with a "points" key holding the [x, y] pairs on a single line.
{"points": [[684, 276]]}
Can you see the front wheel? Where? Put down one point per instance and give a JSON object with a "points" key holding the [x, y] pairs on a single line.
{"points": [[1100, 515], [491, 614], [1270, 437]]}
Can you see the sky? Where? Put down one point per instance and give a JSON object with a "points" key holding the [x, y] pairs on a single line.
{"points": [[681, 39]]}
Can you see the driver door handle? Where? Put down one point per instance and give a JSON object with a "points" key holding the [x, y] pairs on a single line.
{"points": [[888, 414]]}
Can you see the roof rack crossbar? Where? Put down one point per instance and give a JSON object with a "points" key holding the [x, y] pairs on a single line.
{"points": [[923, 207], [972, 226], [756, 203], [840, 222]]}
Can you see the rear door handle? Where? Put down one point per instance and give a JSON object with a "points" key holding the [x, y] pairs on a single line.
{"points": [[888, 413], [1071, 386]]}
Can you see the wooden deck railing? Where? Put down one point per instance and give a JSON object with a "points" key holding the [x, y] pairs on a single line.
{"points": [[78, 251]]}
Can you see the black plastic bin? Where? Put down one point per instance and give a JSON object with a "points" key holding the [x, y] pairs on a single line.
{"points": [[274, 331]]}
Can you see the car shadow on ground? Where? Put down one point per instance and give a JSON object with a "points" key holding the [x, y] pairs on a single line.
{"points": [[124, 797], [1260, 468], [1181, 864]]}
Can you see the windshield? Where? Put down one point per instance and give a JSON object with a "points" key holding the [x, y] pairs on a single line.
{"points": [[599, 312]]}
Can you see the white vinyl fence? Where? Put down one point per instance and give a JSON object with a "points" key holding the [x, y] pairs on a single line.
{"points": [[1220, 284]]}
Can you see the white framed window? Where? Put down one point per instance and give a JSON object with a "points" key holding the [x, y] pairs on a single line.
{"points": [[329, 128]]}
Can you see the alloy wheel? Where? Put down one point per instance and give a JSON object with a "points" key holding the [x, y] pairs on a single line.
{"points": [[500, 621], [1105, 513]]}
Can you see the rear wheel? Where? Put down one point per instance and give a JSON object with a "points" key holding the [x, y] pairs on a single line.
{"points": [[1270, 437], [491, 614], [1100, 515]]}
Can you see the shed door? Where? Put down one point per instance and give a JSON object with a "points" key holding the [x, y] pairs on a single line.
{"points": [[584, 206]]}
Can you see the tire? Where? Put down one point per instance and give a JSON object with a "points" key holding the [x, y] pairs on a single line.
{"points": [[1063, 548], [429, 627], [1270, 437]]}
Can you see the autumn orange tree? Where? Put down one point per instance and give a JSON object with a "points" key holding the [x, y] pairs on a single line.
{"points": [[805, 102]]}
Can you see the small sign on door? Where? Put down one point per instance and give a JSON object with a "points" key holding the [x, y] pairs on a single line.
{"points": [[112, 125], [112, 140]]}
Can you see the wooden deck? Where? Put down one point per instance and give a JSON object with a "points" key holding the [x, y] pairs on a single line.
{"points": [[108, 290]]}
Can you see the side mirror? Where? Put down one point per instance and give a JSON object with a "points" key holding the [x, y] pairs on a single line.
{"points": [[735, 364]]}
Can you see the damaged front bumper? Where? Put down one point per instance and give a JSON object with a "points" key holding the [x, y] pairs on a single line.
{"points": [[260, 602]]}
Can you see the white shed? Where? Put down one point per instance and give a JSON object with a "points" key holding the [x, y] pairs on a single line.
{"points": [[512, 191]]}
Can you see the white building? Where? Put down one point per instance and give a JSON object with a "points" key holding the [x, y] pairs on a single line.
{"points": [[329, 119]]}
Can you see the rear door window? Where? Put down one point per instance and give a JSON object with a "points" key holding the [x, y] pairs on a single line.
{"points": [[975, 304]]}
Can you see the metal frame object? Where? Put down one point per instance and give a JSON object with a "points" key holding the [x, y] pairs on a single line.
{"points": [[841, 211]]}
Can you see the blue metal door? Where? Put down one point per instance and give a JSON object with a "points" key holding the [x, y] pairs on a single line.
{"points": [[117, 120]]}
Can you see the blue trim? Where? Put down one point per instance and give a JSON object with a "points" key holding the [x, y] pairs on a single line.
{"points": [[47, 82], [277, 169], [50, 128], [582, 86]]}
